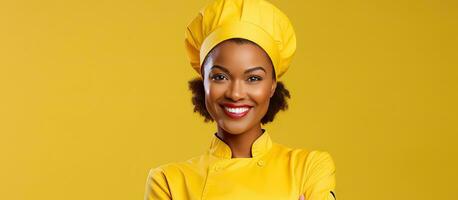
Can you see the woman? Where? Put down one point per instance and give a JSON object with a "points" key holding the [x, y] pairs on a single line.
{"points": [[241, 48]]}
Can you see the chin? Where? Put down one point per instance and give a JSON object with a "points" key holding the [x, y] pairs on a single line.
{"points": [[234, 127]]}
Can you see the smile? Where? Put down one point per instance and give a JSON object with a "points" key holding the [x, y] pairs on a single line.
{"points": [[236, 112]]}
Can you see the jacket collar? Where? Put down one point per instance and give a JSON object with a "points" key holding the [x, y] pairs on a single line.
{"points": [[260, 146]]}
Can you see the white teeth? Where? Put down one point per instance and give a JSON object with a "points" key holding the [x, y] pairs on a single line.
{"points": [[236, 110]]}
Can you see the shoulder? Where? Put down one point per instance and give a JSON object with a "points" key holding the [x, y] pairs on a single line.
{"points": [[157, 185], [165, 178], [174, 176], [313, 161], [309, 165], [157, 175], [314, 172], [320, 158], [174, 168], [320, 167], [305, 156]]}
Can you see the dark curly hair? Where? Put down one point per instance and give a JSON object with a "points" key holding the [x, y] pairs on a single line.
{"points": [[277, 102]]}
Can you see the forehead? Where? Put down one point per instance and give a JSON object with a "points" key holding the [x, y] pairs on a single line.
{"points": [[234, 55]]}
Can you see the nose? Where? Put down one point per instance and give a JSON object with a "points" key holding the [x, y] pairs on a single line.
{"points": [[235, 91]]}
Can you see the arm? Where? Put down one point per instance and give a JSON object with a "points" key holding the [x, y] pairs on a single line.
{"points": [[320, 184], [157, 187]]}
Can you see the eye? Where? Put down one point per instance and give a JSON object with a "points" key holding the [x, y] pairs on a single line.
{"points": [[218, 77], [254, 78]]}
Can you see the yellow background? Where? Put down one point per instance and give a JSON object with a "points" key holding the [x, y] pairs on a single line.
{"points": [[94, 93]]}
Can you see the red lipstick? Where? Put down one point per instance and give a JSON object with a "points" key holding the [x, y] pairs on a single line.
{"points": [[235, 111]]}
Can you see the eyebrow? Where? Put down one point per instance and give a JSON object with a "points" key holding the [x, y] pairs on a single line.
{"points": [[246, 71]]}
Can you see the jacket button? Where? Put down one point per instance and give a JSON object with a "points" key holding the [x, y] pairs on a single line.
{"points": [[217, 168], [261, 163]]}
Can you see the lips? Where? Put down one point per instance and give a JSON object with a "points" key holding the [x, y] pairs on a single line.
{"points": [[235, 111]]}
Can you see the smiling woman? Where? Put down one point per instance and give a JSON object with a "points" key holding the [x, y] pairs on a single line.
{"points": [[241, 48], [239, 81], [238, 84], [278, 101]]}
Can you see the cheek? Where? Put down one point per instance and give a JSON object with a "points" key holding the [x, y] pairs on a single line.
{"points": [[212, 94], [261, 95]]}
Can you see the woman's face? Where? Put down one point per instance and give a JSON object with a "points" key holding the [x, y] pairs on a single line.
{"points": [[238, 85]]}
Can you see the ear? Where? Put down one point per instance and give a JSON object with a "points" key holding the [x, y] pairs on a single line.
{"points": [[274, 86]]}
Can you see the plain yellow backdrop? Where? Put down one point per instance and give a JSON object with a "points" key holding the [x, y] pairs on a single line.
{"points": [[94, 93]]}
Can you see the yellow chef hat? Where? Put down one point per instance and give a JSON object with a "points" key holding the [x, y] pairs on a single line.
{"points": [[256, 20]]}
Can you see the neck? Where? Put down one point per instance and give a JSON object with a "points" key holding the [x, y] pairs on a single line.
{"points": [[240, 144]]}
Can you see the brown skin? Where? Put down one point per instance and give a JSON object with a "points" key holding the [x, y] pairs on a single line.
{"points": [[238, 74]]}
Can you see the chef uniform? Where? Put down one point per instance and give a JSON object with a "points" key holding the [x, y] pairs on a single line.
{"points": [[274, 172]]}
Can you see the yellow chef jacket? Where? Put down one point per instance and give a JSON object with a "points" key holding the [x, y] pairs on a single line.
{"points": [[274, 172]]}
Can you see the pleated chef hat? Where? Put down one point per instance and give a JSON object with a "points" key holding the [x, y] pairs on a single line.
{"points": [[255, 20]]}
